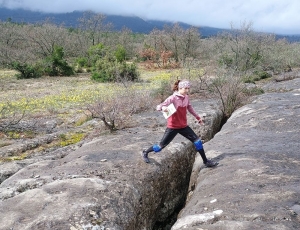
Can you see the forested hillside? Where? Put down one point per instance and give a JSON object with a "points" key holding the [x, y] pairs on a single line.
{"points": [[136, 24]]}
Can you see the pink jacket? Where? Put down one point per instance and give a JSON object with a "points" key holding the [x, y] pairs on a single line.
{"points": [[182, 104]]}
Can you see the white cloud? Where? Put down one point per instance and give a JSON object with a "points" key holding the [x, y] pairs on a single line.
{"points": [[280, 16]]}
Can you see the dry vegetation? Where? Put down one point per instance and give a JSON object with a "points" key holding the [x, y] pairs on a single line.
{"points": [[68, 109]]}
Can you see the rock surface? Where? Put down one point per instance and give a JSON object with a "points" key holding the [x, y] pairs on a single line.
{"points": [[257, 184], [104, 184]]}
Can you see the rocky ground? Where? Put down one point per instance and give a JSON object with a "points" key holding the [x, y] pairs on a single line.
{"points": [[102, 183], [256, 185]]}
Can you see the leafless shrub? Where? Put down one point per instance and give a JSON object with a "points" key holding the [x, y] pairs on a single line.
{"points": [[116, 110], [229, 90], [10, 117]]}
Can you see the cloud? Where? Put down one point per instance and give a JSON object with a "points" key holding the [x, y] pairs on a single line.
{"points": [[278, 16]]}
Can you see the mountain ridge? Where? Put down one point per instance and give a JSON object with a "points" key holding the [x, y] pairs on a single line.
{"points": [[134, 23]]}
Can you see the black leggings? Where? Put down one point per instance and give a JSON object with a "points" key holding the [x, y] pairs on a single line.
{"points": [[170, 134]]}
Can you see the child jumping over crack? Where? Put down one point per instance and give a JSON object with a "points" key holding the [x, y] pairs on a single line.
{"points": [[177, 122]]}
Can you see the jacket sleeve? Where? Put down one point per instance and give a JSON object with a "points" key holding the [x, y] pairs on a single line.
{"points": [[167, 102]]}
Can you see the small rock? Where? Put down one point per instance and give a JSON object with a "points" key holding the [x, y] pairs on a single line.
{"points": [[92, 213], [218, 212], [213, 201], [296, 209]]}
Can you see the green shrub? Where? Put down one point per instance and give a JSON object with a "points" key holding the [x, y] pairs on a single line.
{"points": [[264, 75], [95, 53], [56, 65], [101, 76], [82, 61], [109, 70], [103, 70], [120, 54], [251, 79], [253, 91], [226, 60], [257, 76], [129, 72], [26, 71]]}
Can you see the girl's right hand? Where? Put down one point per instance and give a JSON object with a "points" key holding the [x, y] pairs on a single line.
{"points": [[164, 109]]}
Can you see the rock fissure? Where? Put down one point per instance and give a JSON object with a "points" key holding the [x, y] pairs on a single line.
{"points": [[255, 185], [169, 222], [104, 176]]}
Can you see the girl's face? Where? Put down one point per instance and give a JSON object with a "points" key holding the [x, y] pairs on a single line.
{"points": [[184, 91]]}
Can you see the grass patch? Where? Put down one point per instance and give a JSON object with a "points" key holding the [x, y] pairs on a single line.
{"points": [[14, 158], [81, 120], [70, 139], [4, 143], [37, 101], [20, 135], [53, 94]]}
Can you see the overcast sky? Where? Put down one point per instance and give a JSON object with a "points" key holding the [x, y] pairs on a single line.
{"points": [[275, 16]]}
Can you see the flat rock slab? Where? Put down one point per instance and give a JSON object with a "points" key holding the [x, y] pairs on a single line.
{"points": [[257, 184], [104, 184]]}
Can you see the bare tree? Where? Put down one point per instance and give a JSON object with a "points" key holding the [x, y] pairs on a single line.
{"points": [[13, 44], [125, 39], [174, 34], [190, 43], [32, 43], [95, 26], [43, 38], [174, 42], [243, 49]]}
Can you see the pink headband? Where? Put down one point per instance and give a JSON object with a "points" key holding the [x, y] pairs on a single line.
{"points": [[184, 84]]}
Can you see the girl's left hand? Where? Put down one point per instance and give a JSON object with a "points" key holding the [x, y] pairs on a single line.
{"points": [[200, 121]]}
